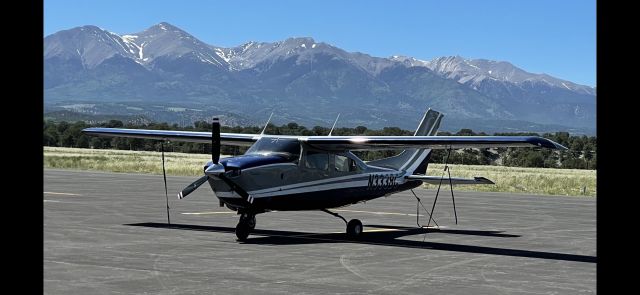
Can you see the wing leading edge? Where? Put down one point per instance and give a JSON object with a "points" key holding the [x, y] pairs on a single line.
{"points": [[236, 139]]}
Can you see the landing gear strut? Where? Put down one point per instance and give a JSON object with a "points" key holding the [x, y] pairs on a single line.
{"points": [[354, 226], [246, 224]]}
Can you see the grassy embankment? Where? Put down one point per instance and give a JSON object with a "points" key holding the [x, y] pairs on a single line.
{"points": [[544, 181]]}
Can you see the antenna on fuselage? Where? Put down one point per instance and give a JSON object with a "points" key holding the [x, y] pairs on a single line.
{"points": [[334, 124], [265, 125]]}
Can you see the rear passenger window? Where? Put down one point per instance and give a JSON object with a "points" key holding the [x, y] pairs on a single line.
{"points": [[344, 164]]}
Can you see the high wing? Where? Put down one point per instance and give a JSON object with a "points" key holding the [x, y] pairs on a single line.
{"points": [[445, 180], [355, 143], [237, 139], [339, 143]]}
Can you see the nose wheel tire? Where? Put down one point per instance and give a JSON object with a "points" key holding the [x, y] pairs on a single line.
{"points": [[246, 224], [354, 228], [251, 222], [242, 231]]}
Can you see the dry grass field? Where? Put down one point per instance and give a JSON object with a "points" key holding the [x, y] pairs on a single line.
{"points": [[543, 181], [180, 164]]}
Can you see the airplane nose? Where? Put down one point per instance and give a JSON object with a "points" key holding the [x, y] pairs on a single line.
{"points": [[214, 170]]}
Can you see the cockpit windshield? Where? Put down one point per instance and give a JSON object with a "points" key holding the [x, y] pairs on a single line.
{"points": [[286, 147]]}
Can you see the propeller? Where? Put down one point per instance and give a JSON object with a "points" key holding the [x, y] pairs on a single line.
{"points": [[215, 168], [192, 187], [215, 141]]}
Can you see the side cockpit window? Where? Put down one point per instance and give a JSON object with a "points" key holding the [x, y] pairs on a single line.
{"points": [[316, 160]]}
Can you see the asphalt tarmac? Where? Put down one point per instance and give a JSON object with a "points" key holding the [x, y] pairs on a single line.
{"points": [[107, 233]]}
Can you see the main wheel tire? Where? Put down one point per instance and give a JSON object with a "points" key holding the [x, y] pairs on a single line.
{"points": [[242, 231], [354, 228]]}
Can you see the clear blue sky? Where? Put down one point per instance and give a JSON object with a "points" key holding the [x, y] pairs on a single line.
{"points": [[540, 36]]}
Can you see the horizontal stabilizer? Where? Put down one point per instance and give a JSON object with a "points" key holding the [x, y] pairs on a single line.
{"points": [[445, 180]]}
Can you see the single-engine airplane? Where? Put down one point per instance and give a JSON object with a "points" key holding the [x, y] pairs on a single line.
{"points": [[284, 172]]}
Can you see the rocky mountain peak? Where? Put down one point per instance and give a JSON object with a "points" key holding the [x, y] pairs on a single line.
{"points": [[168, 41], [476, 71], [300, 75], [162, 29], [90, 45], [408, 61]]}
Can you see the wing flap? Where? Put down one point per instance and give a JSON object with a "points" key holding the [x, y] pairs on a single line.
{"points": [[445, 180], [236, 139]]}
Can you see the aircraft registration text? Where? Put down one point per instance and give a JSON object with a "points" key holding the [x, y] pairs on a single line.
{"points": [[382, 181]]}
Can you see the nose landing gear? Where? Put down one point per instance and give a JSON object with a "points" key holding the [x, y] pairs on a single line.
{"points": [[246, 224]]}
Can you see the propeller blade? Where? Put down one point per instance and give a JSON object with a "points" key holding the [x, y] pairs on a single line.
{"points": [[192, 187], [215, 141], [236, 188]]}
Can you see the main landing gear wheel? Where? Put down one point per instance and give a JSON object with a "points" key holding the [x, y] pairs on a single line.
{"points": [[246, 224], [354, 228]]}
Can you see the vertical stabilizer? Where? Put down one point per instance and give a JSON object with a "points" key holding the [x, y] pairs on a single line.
{"points": [[414, 161]]}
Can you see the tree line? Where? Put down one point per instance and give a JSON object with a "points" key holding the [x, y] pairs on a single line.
{"points": [[581, 153]]}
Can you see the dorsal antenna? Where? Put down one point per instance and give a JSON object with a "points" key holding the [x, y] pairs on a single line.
{"points": [[265, 125], [334, 124]]}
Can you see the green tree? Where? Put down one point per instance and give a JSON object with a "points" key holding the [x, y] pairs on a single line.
{"points": [[114, 124], [360, 130]]}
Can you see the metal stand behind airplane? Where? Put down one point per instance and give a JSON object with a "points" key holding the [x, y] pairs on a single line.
{"points": [[286, 172]]}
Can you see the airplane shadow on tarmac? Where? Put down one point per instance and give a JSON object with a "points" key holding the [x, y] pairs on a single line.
{"points": [[383, 238]]}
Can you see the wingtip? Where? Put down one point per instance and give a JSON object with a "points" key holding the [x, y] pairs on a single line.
{"points": [[547, 143], [483, 180]]}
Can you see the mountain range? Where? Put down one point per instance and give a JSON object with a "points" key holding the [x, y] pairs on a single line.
{"points": [[166, 74]]}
